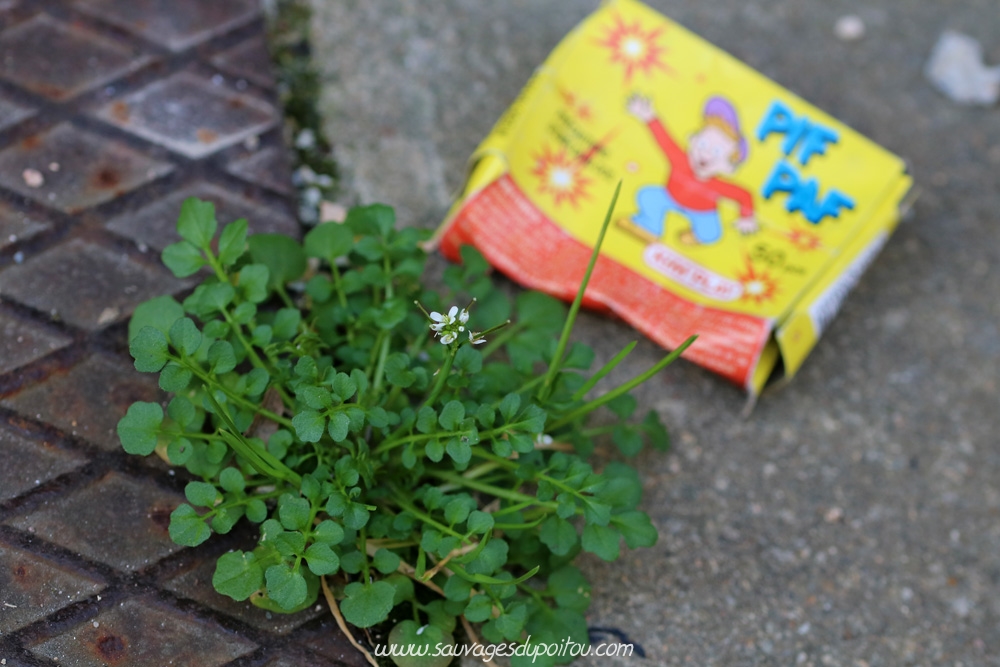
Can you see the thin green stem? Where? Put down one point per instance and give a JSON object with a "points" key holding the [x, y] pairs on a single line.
{"points": [[590, 406], [210, 383], [557, 358]]}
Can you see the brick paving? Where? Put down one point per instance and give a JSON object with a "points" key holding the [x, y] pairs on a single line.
{"points": [[111, 113]]}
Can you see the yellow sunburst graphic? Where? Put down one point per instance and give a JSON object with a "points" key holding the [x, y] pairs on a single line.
{"points": [[561, 176], [634, 47], [758, 286]]}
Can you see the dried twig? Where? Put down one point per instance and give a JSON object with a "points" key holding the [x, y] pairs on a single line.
{"points": [[335, 610]]}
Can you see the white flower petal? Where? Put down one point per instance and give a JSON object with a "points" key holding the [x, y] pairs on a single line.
{"points": [[448, 338], [463, 317], [437, 317], [453, 311]]}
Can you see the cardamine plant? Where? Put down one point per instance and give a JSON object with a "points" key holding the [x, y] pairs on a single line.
{"points": [[419, 458]]}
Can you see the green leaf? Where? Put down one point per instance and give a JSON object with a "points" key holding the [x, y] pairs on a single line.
{"points": [[187, 528], [182, 411], [490, 559], [479, 609], [329, 241], [426, 419], [580, 356], [340, 424], [232, 480], [244, 313], [184, 336], [344, 386], [378, 417], [309, 425], [232, 242], [434, 450], [367, 604], [391, 313], [216, 296], [356, 516], [540, 311], [655, 431], [201, 494], [628, 439], [286, 323], [603, 541], [468, 360], [159, 313], [256, 382], [253, 280], [138, 430], [385, 561], [460, 452], [285, 586], [451, 415], [149, 349], [509, 406], [283, 256], [480, 522], [457, 509], [256, 510], [511, 623], [183, 259], [293, 512], [238, 575], [174, 377], [197, 222], [570, 588], [457, 588], [558, 535], [636, 528], [179, 451], [321, 559], [316, 398], [328, 532], [397, 370], [623, 406], [221, 358]]}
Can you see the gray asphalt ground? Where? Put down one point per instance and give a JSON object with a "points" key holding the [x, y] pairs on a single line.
{"points": [[854, 518]]}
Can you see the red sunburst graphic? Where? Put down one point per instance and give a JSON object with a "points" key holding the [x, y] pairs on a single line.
{"points": [[633, 47], [804, 239], [758, 286], [579, 107], [561, 176]]}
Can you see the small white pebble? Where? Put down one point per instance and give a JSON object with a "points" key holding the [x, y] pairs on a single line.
{"points": [[833, 515], [18, 257], [251, 143], [96, 624], [33, 178], [849, 28], [53, 166]]}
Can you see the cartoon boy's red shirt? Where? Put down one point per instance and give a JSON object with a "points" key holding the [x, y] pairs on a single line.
{"points": [[686, 189]]}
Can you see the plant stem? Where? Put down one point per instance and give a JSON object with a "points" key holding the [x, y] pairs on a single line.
{"points": [[557, 358], [590, 406]]}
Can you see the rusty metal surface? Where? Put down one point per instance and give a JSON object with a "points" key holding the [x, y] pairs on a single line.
{"points": [[111, 112]]}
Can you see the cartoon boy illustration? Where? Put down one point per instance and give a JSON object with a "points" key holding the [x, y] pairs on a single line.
{"points": [[695, 184]]}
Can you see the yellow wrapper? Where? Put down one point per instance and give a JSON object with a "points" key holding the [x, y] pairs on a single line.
{"points": [[746, 214]]}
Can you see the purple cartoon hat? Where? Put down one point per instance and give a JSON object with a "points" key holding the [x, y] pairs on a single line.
{"points": [[721, 109]]}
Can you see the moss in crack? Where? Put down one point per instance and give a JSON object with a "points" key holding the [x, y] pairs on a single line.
{"points": [[316, 173]]}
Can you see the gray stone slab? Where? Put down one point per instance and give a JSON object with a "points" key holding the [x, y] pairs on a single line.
{"points": [[851, 519]]}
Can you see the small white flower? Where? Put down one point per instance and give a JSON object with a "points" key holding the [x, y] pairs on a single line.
{"points": [[544, 439], [463, 317], [448, 338], [476, 338]]}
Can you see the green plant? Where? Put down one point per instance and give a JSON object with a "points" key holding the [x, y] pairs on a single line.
{"points": [[392, 446]]}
